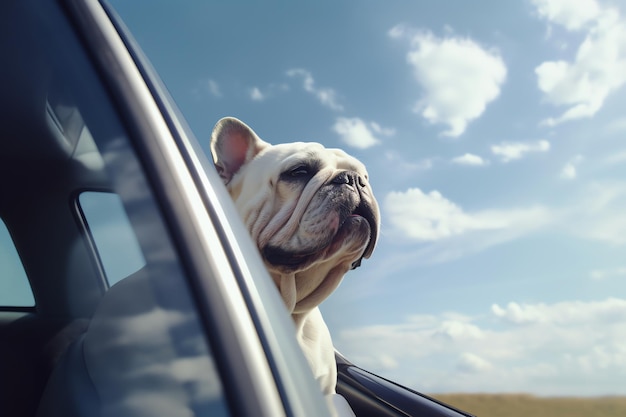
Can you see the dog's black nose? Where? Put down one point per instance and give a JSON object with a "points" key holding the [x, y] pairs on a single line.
{"points": [[349, 178]]}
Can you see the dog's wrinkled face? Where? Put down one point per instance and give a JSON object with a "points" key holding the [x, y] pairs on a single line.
{"points": [[327, 208], [309, 209]]}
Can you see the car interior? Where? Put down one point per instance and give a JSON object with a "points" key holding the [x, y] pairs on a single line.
{"points": [[76, 347], [40, 173]]}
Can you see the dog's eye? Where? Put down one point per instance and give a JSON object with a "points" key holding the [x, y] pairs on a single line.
{"points": [[300, 171]]}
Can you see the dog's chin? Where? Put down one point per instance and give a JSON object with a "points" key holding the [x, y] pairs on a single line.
{"points": [[285, 261], [356, 231]]}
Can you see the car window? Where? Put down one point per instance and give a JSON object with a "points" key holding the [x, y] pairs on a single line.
{"points": [[146, 349], [112, 233], [147, 331], [15, 290]]}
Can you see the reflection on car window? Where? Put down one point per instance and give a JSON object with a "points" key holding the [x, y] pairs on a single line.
{"points": [[145, 350], [146, 335], [115, 241], [15, 290], [145, 338]]}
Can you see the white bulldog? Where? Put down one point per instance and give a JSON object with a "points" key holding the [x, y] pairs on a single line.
{"points": [[312, 214]]}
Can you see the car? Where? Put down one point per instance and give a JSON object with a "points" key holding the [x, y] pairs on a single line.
{"points": [[128, 284]]}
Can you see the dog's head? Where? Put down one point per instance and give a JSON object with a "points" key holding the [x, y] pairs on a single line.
{"points": [[309, 209]]}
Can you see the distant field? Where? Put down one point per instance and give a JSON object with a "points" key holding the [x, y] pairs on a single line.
{"points": [[523, 405]]}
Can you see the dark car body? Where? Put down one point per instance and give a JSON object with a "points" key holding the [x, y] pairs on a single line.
{"points": [[148, 297]]}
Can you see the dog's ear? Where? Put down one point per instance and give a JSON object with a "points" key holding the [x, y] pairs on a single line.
{"points": [[233, 144]]}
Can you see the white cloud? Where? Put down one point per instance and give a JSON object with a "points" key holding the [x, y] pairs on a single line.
{"points": [[427, 217], [398, 31], [566, 313], [430, 217], [387, 361], [357, 133], [455, 329], [214, 88], [569, 170], [208, 86], [256, 94], [403, 166], [430, 229], [267, 92], [509, 151], [458, 76], [471, 364], [470, 159], [603, 274], [384, 131], [433, 229], [544, 349], [326, 96], [574, 15], [599, 66]]}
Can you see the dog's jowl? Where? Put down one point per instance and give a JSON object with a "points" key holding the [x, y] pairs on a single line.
{"points": [[313, 216]]}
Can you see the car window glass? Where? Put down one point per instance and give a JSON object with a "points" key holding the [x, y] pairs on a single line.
{"points": [[15, 290], [146, 350], [110, 229]]}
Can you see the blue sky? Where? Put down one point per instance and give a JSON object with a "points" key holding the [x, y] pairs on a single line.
{"points": [[494, 136]]}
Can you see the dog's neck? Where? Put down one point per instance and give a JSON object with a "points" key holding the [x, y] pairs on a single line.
{"points": [[286, 284], [305, 290]]}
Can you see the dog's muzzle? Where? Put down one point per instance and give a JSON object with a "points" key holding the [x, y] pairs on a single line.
{"points": [[363, 209]]}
